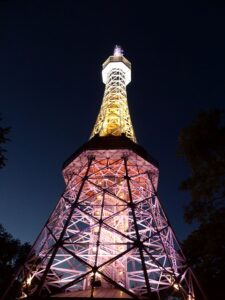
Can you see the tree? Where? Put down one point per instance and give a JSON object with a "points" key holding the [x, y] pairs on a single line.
{"points": [[3, 139], [12, 255], [205, 251], [202, 144], [12, 251]]}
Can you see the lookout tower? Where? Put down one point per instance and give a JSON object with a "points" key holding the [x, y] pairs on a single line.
{"points": [[108, 236]]}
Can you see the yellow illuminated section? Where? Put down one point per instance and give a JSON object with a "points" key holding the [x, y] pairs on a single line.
{"points": [[114, 117]]}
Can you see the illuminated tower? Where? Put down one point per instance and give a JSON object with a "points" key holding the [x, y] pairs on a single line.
{"points": [[108, 236]]}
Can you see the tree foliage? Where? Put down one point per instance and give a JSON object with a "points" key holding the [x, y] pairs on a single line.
{"points": [[205, 252], [3, 139], [202, 144], [12, 255]]}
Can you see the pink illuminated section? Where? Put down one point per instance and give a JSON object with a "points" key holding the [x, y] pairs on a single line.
{"points": [[115, 233]]}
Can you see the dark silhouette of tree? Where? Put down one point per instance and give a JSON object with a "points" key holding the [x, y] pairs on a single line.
{"points": [[12, 251], [12, 255], [3, 139], [202, 144], [205, 251]]}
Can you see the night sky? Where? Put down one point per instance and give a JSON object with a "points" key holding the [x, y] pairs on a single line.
{"points": [[51, 90]]}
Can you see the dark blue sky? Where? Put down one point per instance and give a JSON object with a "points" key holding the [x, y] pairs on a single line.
{"points": [[51, 90]]}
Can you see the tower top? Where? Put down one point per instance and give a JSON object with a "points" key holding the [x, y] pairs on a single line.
{"points": [[117, 60], [118, 51], [114, 117]]}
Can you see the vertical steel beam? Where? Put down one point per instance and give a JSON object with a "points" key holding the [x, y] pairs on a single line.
{"points": [[139, 242]]}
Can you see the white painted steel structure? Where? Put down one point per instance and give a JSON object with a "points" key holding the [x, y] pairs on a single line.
{"points": [[109, 228]]}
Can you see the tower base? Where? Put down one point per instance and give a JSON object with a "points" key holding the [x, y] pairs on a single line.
{"points": [[98, 293]]}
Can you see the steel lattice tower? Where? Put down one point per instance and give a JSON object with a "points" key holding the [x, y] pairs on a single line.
{"points": [[108, 236]]}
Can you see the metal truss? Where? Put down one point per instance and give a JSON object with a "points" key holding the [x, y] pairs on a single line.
{"points": [[114, 117], [108, 230]]}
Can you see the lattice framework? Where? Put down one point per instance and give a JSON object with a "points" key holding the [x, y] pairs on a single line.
{"points": [[114, 117], [109, 228]]}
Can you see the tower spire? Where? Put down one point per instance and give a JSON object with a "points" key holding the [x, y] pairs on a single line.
{"points": [[114, 117]]}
